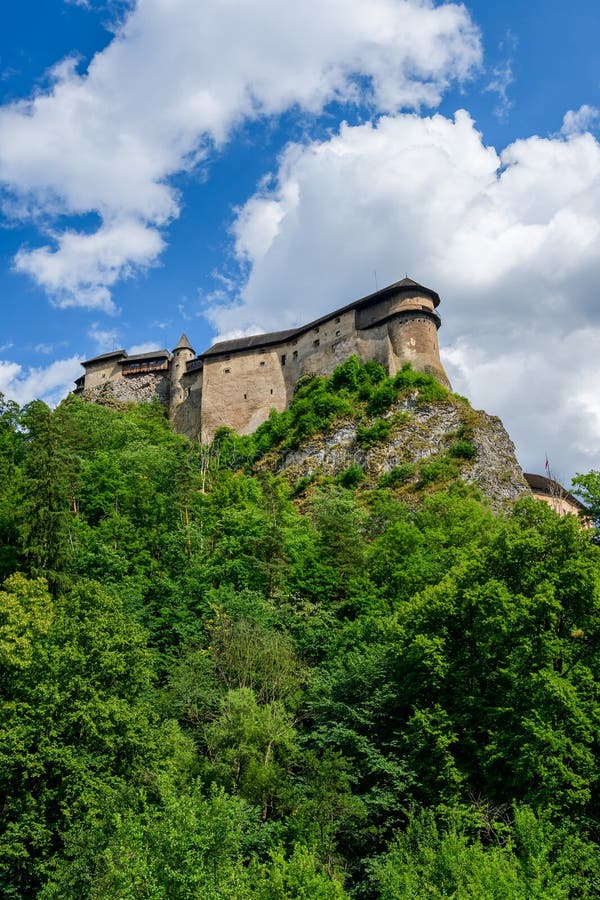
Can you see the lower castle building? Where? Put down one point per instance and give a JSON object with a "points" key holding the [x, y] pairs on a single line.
{"points": [[237, 383]]}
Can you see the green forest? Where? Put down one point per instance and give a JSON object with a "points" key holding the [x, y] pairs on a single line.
{"points": [[218, 684]]}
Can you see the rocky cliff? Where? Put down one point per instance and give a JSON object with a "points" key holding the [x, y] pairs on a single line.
{"points": [[414, 447]]}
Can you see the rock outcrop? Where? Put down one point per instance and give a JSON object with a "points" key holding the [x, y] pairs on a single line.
{"points": [[139, 389], [427, 444]]}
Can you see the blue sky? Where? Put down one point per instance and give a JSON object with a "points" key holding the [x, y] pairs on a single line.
{"points": [[226, 167]]}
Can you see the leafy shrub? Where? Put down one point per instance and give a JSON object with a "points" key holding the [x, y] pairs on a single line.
{"points": [[431, 392], [301, 485], [382, 398], [374, 371], [353, 475], [462, 399], [303, 382], [367, 435], [462, 450], [318, 401], [428, 388], [397, 476], [438, 470], [347, 375]]}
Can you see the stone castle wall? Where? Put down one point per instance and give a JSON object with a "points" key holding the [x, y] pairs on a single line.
{"points": [[129, 389], [238, 383], [241, 387]]}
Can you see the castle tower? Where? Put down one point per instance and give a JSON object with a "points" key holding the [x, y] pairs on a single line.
{"points": [[412, 329], [183, 353]]}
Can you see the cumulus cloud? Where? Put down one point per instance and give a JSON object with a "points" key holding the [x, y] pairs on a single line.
{"points": [[181, 75], [83, 267], [509, 239], [578, 120], [49, 383], [545, 392]]}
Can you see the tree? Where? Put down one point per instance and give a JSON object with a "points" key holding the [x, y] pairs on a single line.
{"points": [[47, 497], [10, 460], [77, 724], [588, 488]]}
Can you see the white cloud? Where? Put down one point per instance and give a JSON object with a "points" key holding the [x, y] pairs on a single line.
{"points": [[578, 120], [503, 77], [82, 269], [545, 392], [49, 383], [47, 348], [508, 239], [106, 339], [181, 74], [145, 347]]}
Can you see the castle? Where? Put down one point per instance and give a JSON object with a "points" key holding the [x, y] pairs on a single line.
{"points": [[237, 383]]}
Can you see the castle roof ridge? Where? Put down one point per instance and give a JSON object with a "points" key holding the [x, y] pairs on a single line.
{"points": [[149, 354], [108, 355], [275, 337]]}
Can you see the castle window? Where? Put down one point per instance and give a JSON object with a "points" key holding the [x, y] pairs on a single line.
{"points": [[295, 354], [337, 319], [227, 371], [271, 390], [245, 396], [316, 343], [283, 359], [262, 363], [338, 332]]}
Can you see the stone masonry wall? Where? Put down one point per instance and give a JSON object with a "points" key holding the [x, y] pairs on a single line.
{"points": [[131, 389], [239, 389]]}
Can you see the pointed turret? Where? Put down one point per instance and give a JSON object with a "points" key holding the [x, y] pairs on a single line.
{"points": [[183, 353], [183, 344]]}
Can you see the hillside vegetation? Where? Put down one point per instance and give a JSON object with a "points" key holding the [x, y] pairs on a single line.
{"points": [[222, 682]]}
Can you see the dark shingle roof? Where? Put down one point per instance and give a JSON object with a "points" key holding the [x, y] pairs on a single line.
{"points": [[542, 485], [183, 343], [104, 356], [276, 337], [253, 340]]}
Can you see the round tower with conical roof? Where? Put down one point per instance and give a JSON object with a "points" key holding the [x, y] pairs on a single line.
{"points": [[183, 353], [413, 328]]}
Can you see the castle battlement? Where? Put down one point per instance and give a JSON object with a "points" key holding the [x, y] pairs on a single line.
{"points": [[237, 383]]}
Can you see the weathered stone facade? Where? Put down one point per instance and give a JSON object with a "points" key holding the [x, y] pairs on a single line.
{"points": [[237, 383]]}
